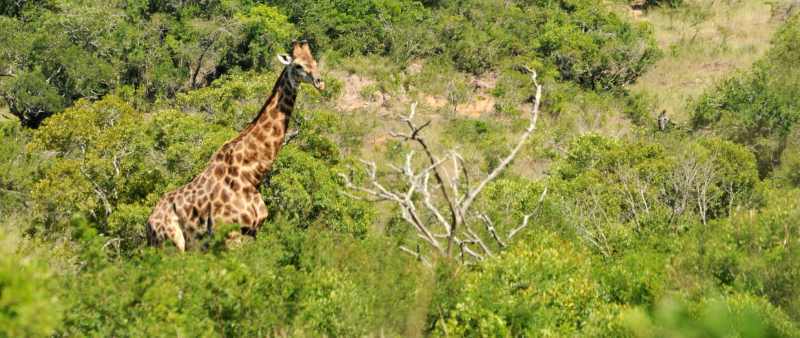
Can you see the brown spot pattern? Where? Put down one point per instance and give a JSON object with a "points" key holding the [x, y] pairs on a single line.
{"points": [[227, 190]]}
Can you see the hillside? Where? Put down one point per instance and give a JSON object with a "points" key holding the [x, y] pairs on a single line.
{"points": [[471, 168], [703, 43]]}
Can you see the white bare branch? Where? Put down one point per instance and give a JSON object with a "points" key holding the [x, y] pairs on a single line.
{"points": [[490, 228], [477, 239], [443, 195], [534, 116], [417, 255], [431, 207], [526, 219]]}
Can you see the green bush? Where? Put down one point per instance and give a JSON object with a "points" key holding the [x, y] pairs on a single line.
{"points": [[735, 315], [508, 200], [617, 191], [29, 305], [344, 290], [336, 287], [18, 168], [110, 156], [353, 27], [727, 175], [758, 108], [537, 288], [243, 293], [635, 279], [582, 40], [31, 98], [309, 194], [62, 52], [752, 253], [623, 180], [266, 31], [789, 170]]}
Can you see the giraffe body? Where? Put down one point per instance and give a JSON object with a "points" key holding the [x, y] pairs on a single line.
{"points": [[227, 191]]}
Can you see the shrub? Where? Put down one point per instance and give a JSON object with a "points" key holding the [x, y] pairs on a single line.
{"points": [[636, 278], [725, 316], [266, 31], [535, 288], [243, 293], [31, 98], [758, 108], [28, 302], [752, 253], [622, 180], [309, 194], [62, 51], [344, 289], [337, 285], [353, 27], [616, 190], [582, 40], [789, 170], [111, 156], [18, 168]]}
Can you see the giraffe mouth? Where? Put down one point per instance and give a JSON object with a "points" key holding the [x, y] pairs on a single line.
{"points": [[319, 84]]}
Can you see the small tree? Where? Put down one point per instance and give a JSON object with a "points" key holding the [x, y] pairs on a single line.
{"points": [[448, 200]]}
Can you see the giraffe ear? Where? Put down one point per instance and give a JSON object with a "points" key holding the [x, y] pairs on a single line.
{"points": [[285, 59]]}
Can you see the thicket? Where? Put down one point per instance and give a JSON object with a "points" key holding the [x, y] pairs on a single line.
{"points": [[652, 234], [758, 107], [57, 52]]}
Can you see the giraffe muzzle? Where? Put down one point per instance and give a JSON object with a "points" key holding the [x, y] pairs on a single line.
{"points": [[319, 84]]}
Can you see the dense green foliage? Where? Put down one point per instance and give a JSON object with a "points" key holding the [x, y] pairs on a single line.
{"points": [[28, 302], [759, 108], [579, 40], [63, 51], [670, 3], [666, 234], [57, 52]]}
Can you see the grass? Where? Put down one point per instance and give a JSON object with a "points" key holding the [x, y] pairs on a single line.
{"points": [[5, 114], [703, 41]]}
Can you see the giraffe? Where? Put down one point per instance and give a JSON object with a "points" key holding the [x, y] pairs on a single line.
{"points": [[226, 191]]}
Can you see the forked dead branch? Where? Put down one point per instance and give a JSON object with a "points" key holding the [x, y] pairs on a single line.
{"points": [[436, 198]]}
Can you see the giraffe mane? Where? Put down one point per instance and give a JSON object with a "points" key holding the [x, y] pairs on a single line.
{"points": [[272, 95]]}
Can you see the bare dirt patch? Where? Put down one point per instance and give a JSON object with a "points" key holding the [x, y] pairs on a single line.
{"points": [[485, 82], [415, 67], [351, 93], [434, 102], [477, 106]]}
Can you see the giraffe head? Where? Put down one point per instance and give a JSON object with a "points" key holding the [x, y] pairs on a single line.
{"points": [[301, 65]]}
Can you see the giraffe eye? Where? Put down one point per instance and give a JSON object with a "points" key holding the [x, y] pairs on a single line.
{"points": [[298, 67]]}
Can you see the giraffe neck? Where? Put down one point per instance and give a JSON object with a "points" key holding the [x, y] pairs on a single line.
{"points": [[259, 143], [280, 104]]}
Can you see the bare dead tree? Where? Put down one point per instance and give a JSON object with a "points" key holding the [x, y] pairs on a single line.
{"points": [[634, 192], [705, 179], [683, 179], [437, 199], [697, 186], [591, 221]]}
